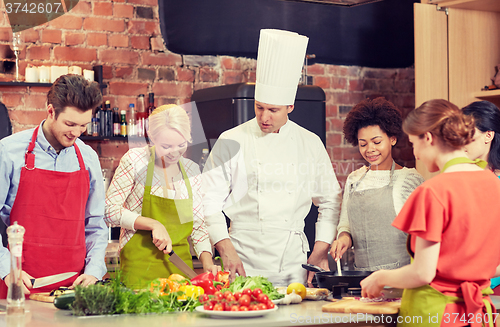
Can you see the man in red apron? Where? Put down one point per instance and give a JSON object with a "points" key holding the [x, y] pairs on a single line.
{"points": [[52, 185]]}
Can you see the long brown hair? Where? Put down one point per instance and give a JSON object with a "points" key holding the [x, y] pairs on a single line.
{"points": [[444, 120]]}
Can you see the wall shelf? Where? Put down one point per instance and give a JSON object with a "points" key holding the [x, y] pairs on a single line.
{"points": [[491, 96], [102, 86], [482, 5]]}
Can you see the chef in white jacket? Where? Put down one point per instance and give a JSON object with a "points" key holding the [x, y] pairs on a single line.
{"points": [[265, 173]]}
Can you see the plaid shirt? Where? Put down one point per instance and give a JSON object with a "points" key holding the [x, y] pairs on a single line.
{"points": [[126, 191]]}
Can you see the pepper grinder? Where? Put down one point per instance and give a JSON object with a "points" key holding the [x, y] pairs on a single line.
{"points": [[15, 295]]}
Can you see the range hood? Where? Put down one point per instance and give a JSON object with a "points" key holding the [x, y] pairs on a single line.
{"points": [[345, 3]]}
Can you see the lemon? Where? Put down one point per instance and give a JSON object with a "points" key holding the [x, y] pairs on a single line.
{"points": [[298, 288]]}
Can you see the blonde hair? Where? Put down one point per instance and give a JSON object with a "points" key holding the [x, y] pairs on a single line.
{"points": [[444, 120], [170, 116]]}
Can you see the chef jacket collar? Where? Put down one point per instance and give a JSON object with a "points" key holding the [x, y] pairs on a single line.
{"points": [[283, 129]]}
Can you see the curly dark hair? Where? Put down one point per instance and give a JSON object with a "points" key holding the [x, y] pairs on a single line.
{"points": [[377, 112]]}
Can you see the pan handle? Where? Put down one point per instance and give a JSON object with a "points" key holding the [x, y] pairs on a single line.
{"points": [[314, 268]]}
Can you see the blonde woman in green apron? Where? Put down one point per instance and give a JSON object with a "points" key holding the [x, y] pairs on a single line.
{"points": [[452, 222], [375, 193], [155, 198]]}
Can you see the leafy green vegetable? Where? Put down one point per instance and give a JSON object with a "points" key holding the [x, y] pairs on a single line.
{"points": [[240, 283], [115, 298]]}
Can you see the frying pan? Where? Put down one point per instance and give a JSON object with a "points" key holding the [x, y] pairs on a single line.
{"points": [[328, 279]]}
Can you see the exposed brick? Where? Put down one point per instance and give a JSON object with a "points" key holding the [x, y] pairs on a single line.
{"points": [[39, 89], [322, 81], [344, 110], [333, 138], [5, 34], [316, 69], [404, 86], [112, 149], [144, 12], [161, 59], [103, 8], [119, 56], [12, 100], [249, 77], [386, 85], [144, 2], [143, 27], [118, 40], [123, 10], [107, 72], [123, 88], [209, 75], [83, 7], [103, 24], [378, 73], [172, 89], [51, 36], [338, 83], [74, 54], [157, 43], [38, 52], [166, 74], [230, 63], [232, 77], [123, 101], [185, 74], [28, 117], [68, 22], [348, 98], [97, 39], [36, 101], [74, 38], [139, 42], [406, 73], [336, 124], [31, 35], [356, 85], [331, 110], [200, 61], [124, 72], [147, 74]]}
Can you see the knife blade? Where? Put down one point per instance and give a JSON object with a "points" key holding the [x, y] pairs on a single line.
{"points": [[179, 263], [47, 280]]}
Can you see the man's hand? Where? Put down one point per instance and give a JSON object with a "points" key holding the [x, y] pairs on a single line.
{"points": [[340, 245], [208, 263], [26, 281], [318, 257], [84, 280], [230, 258]]}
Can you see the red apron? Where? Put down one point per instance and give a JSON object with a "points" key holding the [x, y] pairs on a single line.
{"points": [[51, 206]]}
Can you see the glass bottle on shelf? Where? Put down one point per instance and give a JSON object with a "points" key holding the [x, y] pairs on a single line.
{"points": [[15, 294], [109, 120], [123, 123], [95, 127], [203, 159], [141, 116], [131, 131], [151, 103], [116, 122]]}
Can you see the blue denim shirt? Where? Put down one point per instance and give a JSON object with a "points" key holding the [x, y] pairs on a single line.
{"points": [[12, 150]]}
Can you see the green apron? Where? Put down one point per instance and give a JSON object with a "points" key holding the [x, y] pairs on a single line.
{"points": [[141, 261], [427, 302]]}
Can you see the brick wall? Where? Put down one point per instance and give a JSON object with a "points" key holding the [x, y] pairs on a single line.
{"points": [[124, 36]]}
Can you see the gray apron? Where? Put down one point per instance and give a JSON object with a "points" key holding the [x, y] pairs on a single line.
{"points": [[377, 244]]}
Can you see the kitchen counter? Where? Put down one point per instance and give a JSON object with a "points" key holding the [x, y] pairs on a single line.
{"points": [[307, 313]]}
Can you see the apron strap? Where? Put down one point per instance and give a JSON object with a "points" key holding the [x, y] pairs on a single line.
{"points": [[80, 158], [149, 177], [29, 157], [460, 160]]}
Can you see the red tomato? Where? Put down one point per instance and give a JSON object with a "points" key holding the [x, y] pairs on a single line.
{"points": [[243, 308], [230, 298], [247, 291], [256, 293], [237, 295], [227, 293], [208, 306], [262, 298], [261, 306], [203, 298], [253, 307], [218, 295], [244, 301], [234, 307], [218, 307], [270, 305]]}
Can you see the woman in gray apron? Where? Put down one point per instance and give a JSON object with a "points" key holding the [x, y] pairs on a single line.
{"points": [[374, 193]]}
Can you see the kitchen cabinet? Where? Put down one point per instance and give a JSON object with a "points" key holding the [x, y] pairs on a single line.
{"points": [[456, 51]]}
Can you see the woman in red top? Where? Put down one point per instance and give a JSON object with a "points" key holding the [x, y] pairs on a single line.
{"points": [[451, 220]]}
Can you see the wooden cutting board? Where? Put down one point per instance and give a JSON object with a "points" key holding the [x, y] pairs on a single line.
{"points": [[357, 306], [42, 297]]}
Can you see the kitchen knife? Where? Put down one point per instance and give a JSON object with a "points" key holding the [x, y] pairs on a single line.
{"points": [[179, 263], [43, 281]]}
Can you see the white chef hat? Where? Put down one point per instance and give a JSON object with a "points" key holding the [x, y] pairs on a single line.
{"points": [[279, 65]]}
